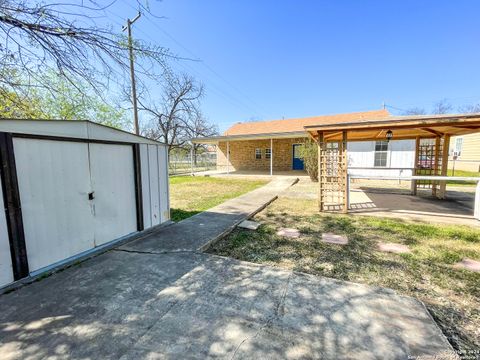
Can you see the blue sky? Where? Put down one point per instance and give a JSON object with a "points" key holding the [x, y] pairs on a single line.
{"points": [[268, 59]]}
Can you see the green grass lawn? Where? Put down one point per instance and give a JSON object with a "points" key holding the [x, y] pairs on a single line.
{"points": [[462, 173], [191, 195], [451, 295]]}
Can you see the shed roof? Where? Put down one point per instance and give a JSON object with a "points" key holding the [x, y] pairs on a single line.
{"points": [[77, 129]]}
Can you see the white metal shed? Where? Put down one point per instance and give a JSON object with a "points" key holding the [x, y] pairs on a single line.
{"points": [[72, 187]]}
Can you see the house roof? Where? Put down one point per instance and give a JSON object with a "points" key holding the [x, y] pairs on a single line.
{"points": [[298, 124]]}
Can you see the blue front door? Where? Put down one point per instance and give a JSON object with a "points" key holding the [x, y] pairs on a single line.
{"points": [[297, 163]]}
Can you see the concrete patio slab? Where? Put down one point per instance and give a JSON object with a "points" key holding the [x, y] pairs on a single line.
{"points": [[191, 305], [468, 264], [334, 239], [249, 225], [393, 248], [197, 232], [289, 232]]}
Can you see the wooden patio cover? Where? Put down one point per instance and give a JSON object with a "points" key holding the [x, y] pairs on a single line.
{"points": [[403, 127], [333, 161]]}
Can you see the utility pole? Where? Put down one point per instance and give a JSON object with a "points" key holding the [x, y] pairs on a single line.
{"points": [[128, 27]]}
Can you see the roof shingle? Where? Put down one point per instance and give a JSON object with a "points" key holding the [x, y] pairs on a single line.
{"points": [[296, 125]]}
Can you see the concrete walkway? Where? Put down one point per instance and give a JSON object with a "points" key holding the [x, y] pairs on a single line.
{"points": [[159, 298], [198, 231]]}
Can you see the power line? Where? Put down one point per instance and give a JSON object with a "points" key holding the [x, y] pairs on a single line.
{"points": [[204, 64]]}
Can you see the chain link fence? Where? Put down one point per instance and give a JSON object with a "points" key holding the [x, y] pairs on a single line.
{"points": [[182, 164]]}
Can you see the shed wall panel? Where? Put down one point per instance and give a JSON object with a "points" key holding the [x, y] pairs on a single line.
{"points": [[6, 273], [147, 213], [54, 182], [164, 185], [154, 184], [113, 182]]}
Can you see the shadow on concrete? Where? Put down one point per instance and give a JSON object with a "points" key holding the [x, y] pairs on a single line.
{"points": [[130, 306], [378, 202]]}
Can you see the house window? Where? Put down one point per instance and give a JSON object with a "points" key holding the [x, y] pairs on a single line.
{"points": [[268, 153], [458, 146], [381, 153], [258, 154]]}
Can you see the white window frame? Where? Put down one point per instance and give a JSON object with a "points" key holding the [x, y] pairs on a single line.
{"points": [[258, 152], [458, 148], [268, 153], [375, 152]]}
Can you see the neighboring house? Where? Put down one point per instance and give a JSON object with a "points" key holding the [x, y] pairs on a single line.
{"points": [[465, 152], [261, 145]]}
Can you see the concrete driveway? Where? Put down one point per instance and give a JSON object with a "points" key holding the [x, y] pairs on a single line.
{"points": [[134, 305]]}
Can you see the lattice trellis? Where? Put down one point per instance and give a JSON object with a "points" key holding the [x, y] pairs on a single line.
{"points": [[429, 162], [332, 175]]}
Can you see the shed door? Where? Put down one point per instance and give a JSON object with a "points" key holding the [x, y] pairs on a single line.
{"points": [[113, 183], [54, 182], [6, 271]]}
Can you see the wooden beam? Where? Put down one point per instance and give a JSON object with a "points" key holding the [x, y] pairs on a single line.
{"points": [[326, 137], [445, 150], [392, 125], [379, 133], [466, 127], [435, 132]]}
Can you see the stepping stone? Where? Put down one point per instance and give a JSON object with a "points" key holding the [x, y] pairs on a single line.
{"points": [[394, 248], [289, 232], [248, 224], [468, 264], [334, 239]]}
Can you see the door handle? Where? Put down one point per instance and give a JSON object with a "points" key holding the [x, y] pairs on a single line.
{"points": [[91, 195]]}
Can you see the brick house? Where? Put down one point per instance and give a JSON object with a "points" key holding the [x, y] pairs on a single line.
{"points": [[270, 146]]}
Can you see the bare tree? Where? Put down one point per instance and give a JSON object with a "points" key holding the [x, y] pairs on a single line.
{"points": [[472, 108], [442, 107], [38, 38], [198, 126], [179, 108], [414, 111]]}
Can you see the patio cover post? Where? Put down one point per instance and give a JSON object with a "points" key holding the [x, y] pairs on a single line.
{"points": [[271, 157], [228, 158], [319, 171], [191, 160], [345, 172], [435, 164], [415, 165], [444, 170]]}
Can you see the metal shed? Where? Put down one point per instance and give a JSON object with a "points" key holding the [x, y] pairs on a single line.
{"points": [[70, 188]]}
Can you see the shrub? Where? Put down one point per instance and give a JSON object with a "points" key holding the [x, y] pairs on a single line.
{"points": [[309, 153]]}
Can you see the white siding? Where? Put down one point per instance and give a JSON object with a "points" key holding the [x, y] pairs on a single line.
{"points": [[144, 163], [400, 160], [154, 184], [113, 183], [54, 182], [156, 203], [164, 186], [6, 273]]}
